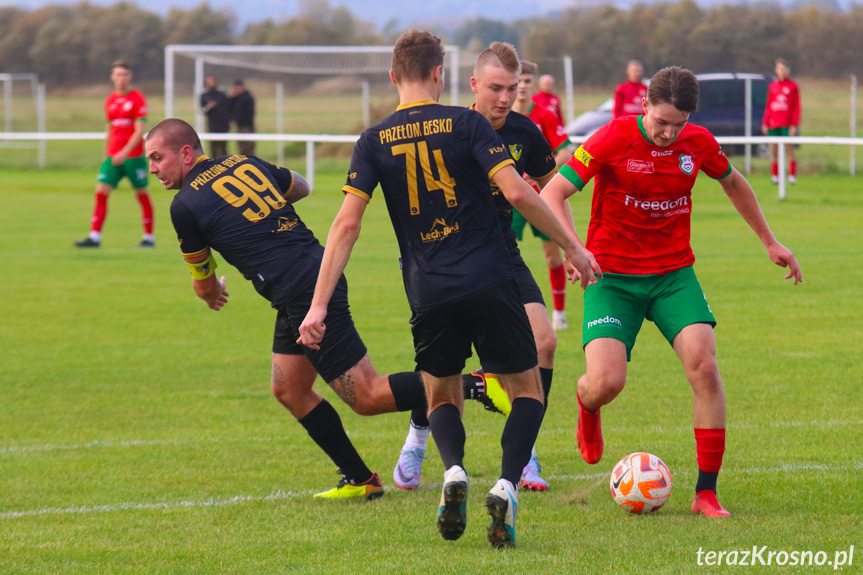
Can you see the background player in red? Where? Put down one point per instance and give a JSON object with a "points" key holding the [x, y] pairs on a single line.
{"points": [[644, 169], [628, 96], [554, 133], [126, 111], [782, 118], [546, 97]]}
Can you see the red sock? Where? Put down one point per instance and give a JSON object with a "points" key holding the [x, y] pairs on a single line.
{"points": [[558, 287], [99, 213], [709, 448], [792, 168], [146, 212], [774, 169]]}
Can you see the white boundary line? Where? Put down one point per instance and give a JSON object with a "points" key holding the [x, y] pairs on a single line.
{"points": [[286, 495]]}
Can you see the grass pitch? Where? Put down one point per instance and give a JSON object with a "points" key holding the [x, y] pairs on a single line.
{"points": [[138, 434]]}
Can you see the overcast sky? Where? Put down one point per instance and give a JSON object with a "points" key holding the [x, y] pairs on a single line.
{"points": [[379, 11]]}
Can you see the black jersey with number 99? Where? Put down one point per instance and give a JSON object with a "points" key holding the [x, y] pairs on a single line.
{"points": [[238, 206]]}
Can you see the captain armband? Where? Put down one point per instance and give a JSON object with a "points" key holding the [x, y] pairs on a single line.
{"points": [[203, 270]]}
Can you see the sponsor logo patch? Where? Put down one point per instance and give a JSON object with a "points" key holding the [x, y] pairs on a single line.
{"points": [[439, 231], [583, 156], [639, 166], [286, 225], [607, 320]]}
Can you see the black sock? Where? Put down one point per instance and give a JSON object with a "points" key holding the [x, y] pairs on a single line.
{"points": [[325, 427], [409, 393], [706, 481], [408, 390], [449, 436], [545, 375], [473, 385], [519, 435]]}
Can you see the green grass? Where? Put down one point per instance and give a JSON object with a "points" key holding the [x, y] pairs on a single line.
{"points": [[138, 434]]}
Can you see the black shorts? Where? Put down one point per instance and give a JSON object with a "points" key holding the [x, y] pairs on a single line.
{"points": [[341, 348], [494, 321], [530, 292]]}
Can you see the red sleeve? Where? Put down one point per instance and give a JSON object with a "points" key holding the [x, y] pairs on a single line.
{"points": [[618, 102], [795, 106], [141, 112], [765, 120], [586, 161], [553, 132], [715, 164]]}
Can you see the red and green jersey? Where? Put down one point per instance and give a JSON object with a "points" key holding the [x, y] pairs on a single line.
{"points": [[640, 216], [783, 104], [549, 102], [122, 111], [551, 128], [627, 99]]}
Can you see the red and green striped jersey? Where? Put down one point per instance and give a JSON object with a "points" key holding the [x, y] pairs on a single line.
{"points": [[642, 194]]}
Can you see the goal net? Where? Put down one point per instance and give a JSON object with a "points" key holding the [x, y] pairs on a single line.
{"points": [[22, 110], [298, 89]]}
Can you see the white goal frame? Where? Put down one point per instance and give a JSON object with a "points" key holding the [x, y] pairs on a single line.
{"points": [[38, 91], [233, 56]]}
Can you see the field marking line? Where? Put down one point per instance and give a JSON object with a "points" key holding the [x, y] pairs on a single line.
{"points": [[286, 495]]}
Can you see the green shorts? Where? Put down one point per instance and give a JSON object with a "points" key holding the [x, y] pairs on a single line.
{"points": [[133, 168], [518, 223], [778, 131], [618, 304]]}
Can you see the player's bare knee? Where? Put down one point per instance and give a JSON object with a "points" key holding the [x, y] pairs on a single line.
{"points": [[704, 375], [283, 393], [364, 392], [600, 388], [364, 400]]}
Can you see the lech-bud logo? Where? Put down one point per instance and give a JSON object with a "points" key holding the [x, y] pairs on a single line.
{"points": [[686, 163]]}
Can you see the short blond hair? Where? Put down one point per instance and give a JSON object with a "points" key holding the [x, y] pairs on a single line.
{"points": [[500, 54]]}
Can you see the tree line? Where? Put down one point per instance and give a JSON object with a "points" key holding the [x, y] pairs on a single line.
{"points": [[75, 45]]}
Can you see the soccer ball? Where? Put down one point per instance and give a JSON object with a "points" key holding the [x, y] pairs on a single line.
{"points": [[640, 483]]}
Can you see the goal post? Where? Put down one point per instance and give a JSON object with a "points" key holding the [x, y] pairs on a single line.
{"points": [[31, 118]]}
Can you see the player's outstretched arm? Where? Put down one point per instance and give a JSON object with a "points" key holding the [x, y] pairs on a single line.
{"points": [[340, 242], [556, 193], [524, 199], [743, 198]]}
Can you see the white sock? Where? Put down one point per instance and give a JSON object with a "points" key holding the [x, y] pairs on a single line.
{"points": [[558, 314], [417, 437], [149, 238], [96, 236]]}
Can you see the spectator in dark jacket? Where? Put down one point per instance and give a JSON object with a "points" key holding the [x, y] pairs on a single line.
{"points": [[215, 105], [243, 115]]}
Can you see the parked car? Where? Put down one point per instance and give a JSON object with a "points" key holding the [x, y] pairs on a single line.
{"points": [[721, 108]]}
